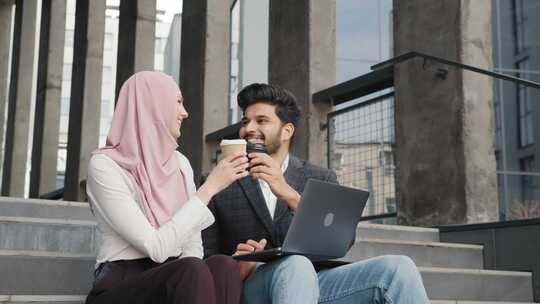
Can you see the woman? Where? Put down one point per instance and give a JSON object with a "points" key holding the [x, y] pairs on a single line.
{"points": [[148, 210]]}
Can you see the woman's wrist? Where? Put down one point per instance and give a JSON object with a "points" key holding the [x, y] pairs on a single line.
{"points": [[206, 192]]}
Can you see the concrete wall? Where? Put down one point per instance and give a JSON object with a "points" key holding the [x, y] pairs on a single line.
{"points": [[302, 59], [20, 109], [47, 113], [444, 126], [204, 77], [85, 106], [6, 27]]}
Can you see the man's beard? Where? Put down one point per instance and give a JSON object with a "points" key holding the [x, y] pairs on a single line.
{"points": [[273, 143]]}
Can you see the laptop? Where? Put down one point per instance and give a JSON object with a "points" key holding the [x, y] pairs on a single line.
{"points": [[324, 225]]}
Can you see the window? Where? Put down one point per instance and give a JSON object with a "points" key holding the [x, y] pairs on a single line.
{"points": [[107, 74], [498, 129], [386, 161], [390, 203], [525, 111], [67, 71], [69, 38], [109, 41], [64, 108], [337, 161], [527, 181], [519, 26]]}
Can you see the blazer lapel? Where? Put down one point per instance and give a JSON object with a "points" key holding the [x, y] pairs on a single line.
{"points": [[295, 177], [256, 199]]}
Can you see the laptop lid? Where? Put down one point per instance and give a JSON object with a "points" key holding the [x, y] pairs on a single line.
{"points": [[326, 220]]}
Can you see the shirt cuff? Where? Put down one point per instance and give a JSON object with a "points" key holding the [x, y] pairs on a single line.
{"points": [[194, 214]]}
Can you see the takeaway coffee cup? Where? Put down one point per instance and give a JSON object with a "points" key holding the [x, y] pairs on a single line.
{"points": [[230, 146], [256, 148]]}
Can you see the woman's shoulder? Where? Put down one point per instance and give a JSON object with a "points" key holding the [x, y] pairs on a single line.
{"points": [[184, 163], [101, 164], [100, 160], [182, 160]]}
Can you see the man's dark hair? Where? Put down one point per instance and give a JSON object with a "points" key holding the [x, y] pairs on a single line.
{"points": [[286, 106]]}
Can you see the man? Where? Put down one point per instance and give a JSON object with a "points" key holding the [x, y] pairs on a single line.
{"points": [[255, 212]]}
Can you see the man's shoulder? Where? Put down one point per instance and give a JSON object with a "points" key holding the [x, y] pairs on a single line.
{"points": [[233, 190], [311, 170]]}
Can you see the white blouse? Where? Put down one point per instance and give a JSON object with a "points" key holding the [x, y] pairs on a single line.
{"points": [[126, 232]]}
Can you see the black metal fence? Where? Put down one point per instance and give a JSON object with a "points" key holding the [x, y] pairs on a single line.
{"points": [[361, 143]]}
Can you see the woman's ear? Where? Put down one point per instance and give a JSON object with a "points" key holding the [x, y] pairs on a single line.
{"points": [[287, 132]]}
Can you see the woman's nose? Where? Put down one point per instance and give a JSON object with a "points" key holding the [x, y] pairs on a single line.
{"points": [[182, 113]]}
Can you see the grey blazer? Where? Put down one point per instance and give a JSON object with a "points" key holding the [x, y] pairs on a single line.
{"points": [[241, 212]]}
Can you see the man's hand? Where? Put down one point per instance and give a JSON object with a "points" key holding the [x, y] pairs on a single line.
{"points": [[246, 268], [264, 167]]}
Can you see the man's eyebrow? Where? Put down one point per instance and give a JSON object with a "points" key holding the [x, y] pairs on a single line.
{"points": [[262, 116], [256, 117]]}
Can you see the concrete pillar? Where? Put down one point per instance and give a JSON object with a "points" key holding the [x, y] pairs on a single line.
{"points": [[136, 39], [302, 59], [204, 76], [445, 150], [85, 104], [20, 100], [49, 86], [6, 19]]}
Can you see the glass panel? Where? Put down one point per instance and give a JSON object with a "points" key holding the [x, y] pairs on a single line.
{"points": [[108, 85], [249, 48], [234, 85], [168, 37], [513, 53], [523, 197], [363, 38], [66, 90]]}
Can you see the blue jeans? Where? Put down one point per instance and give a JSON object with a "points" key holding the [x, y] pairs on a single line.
{"points": [[291, 280]]}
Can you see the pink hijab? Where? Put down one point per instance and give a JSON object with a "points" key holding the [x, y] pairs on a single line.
{"points": [[139, 141]]}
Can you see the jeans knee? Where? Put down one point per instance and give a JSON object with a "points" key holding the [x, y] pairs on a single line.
{"points": [[402, 266], [297, 265]]}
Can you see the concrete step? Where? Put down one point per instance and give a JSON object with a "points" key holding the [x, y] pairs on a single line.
{"points": [[38, 208], [428, 254], [396, 232], [79, 299], [47, 234], [477, 285], [475, 302], [45, 273], [39, 273], [42, 299]]}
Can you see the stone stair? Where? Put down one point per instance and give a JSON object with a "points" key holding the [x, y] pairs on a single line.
{"points": [[47, 251]]}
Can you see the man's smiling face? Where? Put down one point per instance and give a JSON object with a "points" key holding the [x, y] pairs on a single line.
{"points": [[261, 125]]}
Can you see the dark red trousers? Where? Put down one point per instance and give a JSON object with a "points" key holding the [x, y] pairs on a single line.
{"points": [[178, 281]]}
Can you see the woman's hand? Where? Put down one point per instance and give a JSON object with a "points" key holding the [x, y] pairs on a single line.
{"points": [[228, 170]]}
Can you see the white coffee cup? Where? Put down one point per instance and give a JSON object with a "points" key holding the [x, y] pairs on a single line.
{"points": [[230, 146]]}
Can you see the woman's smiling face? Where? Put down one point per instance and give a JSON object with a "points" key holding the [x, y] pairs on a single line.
{"points": [[181, 114]]}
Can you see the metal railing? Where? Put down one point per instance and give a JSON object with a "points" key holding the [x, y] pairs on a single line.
{"points": [[355, 160], [361, 141]]}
